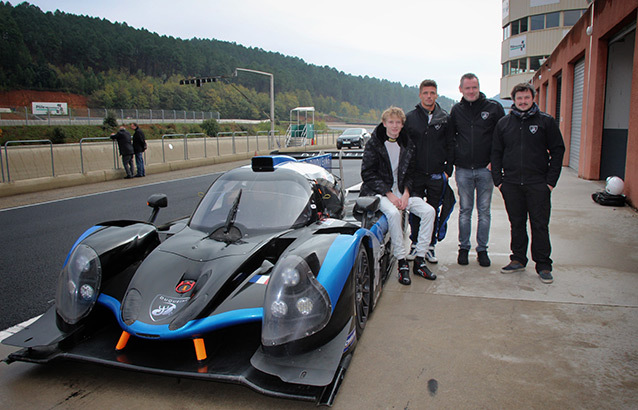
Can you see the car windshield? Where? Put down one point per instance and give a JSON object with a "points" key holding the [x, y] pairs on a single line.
{"points": [[269, 201], [352, 131]]}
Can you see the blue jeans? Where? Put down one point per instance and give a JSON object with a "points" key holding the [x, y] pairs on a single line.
{"points": [[139, 163], [468, 181]]}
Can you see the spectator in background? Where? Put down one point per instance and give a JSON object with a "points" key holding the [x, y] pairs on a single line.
{"points": [[139, 146], [125, 146], [527, 156], [473, 120]]}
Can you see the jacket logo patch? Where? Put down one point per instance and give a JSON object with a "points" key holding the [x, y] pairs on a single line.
{"points": [[437, 127], [485, 115], [533, 129]]}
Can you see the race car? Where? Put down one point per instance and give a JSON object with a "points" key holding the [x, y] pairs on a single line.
{"points": [[268, 284]]}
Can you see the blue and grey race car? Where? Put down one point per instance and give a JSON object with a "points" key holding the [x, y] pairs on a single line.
{"points": [[267, 284]]}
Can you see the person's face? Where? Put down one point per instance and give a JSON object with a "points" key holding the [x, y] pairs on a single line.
{"points": [[523, 100], [428, 97], [393, 126], [470, 89]]}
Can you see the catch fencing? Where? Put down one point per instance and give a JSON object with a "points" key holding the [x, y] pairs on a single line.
{"points": [[95, 116]]}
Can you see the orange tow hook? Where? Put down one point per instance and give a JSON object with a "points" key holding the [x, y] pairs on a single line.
{"points": [[200, 349], [121, 344]]}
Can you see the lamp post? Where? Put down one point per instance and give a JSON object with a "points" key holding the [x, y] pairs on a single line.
{"points": [[272, 99]]}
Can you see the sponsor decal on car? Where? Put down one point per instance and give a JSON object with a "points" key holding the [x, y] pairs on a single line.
{"points": [[165, 306], [260, 279]]}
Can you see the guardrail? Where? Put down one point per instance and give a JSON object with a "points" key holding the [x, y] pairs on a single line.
{"points": [[6, 154], [28, 162]]}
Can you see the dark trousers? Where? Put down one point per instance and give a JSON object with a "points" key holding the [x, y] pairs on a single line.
{"points": [[431, 188], [534, 201], [127, 161]]}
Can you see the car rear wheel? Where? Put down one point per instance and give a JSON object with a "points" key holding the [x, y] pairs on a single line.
{"points": [[362, 290]]}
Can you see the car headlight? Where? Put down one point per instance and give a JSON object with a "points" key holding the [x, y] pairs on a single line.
{"points": [[296, 305], [78, 285]]}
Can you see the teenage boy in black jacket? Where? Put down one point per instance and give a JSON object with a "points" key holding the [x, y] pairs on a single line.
{"points": [[473, 120], [527, 156], [387, 171], [428, 127]]}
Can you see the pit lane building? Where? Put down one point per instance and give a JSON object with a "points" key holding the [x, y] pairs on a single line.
{"points": [[586, 84]]}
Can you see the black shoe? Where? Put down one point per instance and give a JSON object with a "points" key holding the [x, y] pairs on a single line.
{"points": [[404, 272], [139, 176], [462, 259], [513, 266], [483, 259], [128, 177], [546, 276], [421, 269]]}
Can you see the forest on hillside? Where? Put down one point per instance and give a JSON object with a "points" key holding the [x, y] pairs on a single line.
{"points": [[118, 66]]}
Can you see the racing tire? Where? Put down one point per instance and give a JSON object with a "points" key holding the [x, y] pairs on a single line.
{"points": [[362, 290]]}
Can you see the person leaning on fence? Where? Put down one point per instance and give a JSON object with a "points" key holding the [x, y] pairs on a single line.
{"points": [[125, 144], [386, 171], [139, 146]]}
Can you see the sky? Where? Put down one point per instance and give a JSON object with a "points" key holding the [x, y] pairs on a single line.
{"points": [[402, 41]]}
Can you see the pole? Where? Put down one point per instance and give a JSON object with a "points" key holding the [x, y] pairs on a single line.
{"points": [[272, 97]]}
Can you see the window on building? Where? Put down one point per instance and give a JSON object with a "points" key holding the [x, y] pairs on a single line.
{"points": [[518, 26], [506, 32], [552, 19], [506, 69], [570, 17], [518, 66], [543, 21]]}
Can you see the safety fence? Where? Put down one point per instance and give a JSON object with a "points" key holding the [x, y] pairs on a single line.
{"points": [[30, 159], [95, 116]]}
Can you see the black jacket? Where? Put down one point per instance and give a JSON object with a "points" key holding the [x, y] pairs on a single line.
{"points": [[124, 143], [376, 169], [473, 124], [527, 148], [139, 141], [433, 141]]}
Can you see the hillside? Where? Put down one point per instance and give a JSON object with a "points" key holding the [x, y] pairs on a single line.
{"points": [[114, 65]]}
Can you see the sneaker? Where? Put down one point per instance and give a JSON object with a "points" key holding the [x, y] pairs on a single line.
{"points": [[430, 256], [483, 259], [462, 259], [412, 253], [421, 269], [546, 276], [404, 272], [513, 266]]}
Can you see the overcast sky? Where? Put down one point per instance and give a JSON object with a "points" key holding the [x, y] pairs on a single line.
{"points": [[404, 41]]}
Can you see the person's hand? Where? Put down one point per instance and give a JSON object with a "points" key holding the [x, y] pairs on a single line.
{"points": [[405, 198], [394, 199], [551, 188]]}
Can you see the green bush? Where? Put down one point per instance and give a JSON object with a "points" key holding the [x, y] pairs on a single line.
{"points": [[210, 127], [58, 136], [110, 121]]}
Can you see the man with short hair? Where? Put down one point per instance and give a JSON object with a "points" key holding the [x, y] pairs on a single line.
{"points": [[139, 146], [428, 127], [527, 156], [125, 146], [387, 171], [473, 120]]}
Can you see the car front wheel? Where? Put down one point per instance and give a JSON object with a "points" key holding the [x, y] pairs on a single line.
{"points": [[362, 294]]}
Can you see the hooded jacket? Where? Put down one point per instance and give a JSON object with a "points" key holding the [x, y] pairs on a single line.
{"points": [[433, 140], [473, 124], [527, 148], [376, 169]]}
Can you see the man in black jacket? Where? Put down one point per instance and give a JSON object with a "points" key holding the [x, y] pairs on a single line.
{"points": [[473, 120], [125, 145], [527, 156], [139, 146], [386, 171], [428, 127]]}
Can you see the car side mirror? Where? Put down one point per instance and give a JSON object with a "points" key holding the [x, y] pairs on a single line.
{"points": [[156, 201]]}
